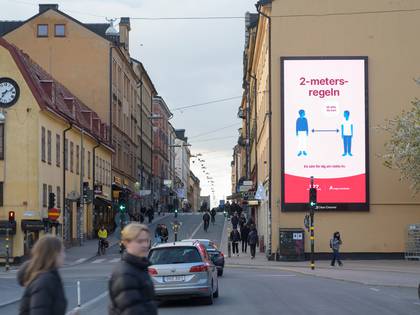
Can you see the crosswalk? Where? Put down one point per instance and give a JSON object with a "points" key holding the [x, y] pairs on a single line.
{"points": [[102, 260]]}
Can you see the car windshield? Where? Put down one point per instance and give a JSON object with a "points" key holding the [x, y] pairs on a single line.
{"points": [[174, 255]]}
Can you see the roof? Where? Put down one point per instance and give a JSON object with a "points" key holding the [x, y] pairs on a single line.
{"points": [[54, 97], [176, 244], [144, 71], [98, 28]]}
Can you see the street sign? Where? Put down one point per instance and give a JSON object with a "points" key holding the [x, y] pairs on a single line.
{"points": [[247, 183], [53, 214], [243, 188]]}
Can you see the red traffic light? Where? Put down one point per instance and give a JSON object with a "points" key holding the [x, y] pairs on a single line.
{"points": [[11, 216]]}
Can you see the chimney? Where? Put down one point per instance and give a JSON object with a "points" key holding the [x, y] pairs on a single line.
{"points": [[46, 7], [124, 32]]}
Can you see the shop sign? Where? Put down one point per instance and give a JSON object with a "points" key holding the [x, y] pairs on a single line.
{"points": [[32, 225], [248, 195], [98, 189], [30, 213]]}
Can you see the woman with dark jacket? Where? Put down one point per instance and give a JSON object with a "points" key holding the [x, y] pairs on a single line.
{"points": [[44, 293], [244, 237], [130, 288]]}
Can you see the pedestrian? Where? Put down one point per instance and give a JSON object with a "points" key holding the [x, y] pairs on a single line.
{"points": [[253, 240], [206, 220], [235, 220], [335, 244], [244, 237], [164, 233], [235, 237], [44, 292], [158, 234], [131, 289], [150, 214], [242, 220]]}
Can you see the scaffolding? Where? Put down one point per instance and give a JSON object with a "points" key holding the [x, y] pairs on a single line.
{"points": [[412, 250]]}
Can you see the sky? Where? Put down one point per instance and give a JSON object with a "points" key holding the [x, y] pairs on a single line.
{"points": [[189, 61]]}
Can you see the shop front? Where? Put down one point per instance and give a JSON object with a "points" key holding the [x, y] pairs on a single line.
{"points": [[32, 230]]}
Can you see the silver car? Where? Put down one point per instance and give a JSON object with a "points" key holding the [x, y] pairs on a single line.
{"points": [[183, 269]]}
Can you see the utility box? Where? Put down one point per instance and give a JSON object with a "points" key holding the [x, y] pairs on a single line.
{"points": [[292, 244]]}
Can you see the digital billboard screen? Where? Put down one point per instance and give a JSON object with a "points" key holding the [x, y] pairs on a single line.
{"points": [[324, 110]]}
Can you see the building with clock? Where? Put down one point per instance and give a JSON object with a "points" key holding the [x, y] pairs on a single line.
{"points": [[52, 148]]}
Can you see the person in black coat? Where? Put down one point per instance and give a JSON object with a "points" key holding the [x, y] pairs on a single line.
{"points": [[235, 237], [44, 292], [235, 221], [244, 237], [131, 289]]}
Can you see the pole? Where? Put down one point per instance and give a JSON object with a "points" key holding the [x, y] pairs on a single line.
{"points": [[78, 293], [80, 214], [7, 266], [312, 230]]}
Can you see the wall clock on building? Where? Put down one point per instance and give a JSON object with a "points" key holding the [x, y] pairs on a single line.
{"points": [[9, 92]]}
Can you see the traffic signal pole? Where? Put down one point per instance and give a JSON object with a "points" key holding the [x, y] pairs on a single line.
{"points": [[312, 206]]}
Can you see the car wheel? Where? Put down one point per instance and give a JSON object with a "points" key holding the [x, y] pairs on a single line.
{"points": [[220, 272], [209, 300], [216, 294]]}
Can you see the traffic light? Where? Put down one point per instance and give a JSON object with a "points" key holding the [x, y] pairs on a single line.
{"points": [[12, 217], [122, 202], [85, 190], [51, 200], [312, 197]]}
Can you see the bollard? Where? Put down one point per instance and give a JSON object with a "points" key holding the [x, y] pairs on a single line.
{"points": [[176, 236], [78, 293], [7, 266], [229, 249]]}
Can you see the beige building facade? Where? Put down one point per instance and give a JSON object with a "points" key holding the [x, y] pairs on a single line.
{"points": [[375, 29]]}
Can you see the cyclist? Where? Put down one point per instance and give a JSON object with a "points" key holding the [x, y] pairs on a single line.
{"points": [[213, 215], [102, 235], [206, 219]]}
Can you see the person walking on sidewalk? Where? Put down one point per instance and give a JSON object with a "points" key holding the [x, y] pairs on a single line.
{"points": [[335, 244], [44, 291], [235, 238], [206, 219], [235, 220], [164, 233], [253, 240], [158, 234], [244, 237], [242, 221], [131, 289]]}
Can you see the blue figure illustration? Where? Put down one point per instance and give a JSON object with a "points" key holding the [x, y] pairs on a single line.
{"points": [[302, 132], [347, 133]]}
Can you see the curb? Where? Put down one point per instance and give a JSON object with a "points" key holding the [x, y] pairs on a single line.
{"points": [[259, 267], [9, 302]]}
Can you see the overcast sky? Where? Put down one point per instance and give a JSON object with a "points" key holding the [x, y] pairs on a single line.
{"points": [[189, 61]]}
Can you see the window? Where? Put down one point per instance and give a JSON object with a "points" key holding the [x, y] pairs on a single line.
{"points": [[71, 155], [42, 30], [66, 154], [57, 150], [59, 30], [58, 197], [43, 144], [82, 157], [1, 194], [89, 164], [77, 159], [1, 141], [49, 146], [44, 195]]}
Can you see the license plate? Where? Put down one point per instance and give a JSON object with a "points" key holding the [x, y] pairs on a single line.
{"points": [[174, 278]]}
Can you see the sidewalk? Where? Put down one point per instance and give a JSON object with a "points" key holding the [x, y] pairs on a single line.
{"points": [[398, 273]]}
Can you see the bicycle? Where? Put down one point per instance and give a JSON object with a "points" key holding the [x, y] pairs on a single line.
{"points": [[101, 247]]}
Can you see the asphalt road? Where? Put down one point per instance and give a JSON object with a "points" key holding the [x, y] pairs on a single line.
{"points": [[243, 291]]}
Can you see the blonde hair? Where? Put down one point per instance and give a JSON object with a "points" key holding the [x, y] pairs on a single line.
{"points": [[132, 231], [43, 257]]}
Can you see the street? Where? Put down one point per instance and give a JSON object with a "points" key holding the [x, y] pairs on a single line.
{"points": [[242, 291]]}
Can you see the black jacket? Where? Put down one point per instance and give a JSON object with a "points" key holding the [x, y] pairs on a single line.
{"points": [[244, 233], [131, 289], [235, 236], [253, 237], [235, 221], [44, 295]]}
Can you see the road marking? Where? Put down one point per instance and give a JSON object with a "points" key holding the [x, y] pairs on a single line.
{"points": [[416, 303], [97, 261], [196, 230], [115, 260], [374, 289], [276, 275], [89, 303], [80, 260]]}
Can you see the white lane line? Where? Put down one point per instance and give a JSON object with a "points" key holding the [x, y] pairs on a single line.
{"points": [[89, 303], [115, 260], [80, 260], [97, 261], [276, 276], [416, 303], [196, 230], [374, 289]]}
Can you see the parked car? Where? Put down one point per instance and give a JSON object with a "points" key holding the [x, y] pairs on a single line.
{"points": [[215, 254], [183, 269]]}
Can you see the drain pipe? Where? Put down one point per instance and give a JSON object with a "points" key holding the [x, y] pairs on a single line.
{"points": [[258, 6], [64, 182]]}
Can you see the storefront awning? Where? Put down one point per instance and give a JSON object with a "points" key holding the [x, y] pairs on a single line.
{"points": [[234, 196], [32, 225], [101, 202]]}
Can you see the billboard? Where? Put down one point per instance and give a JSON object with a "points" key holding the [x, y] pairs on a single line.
{"points": [[324, 132]]}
